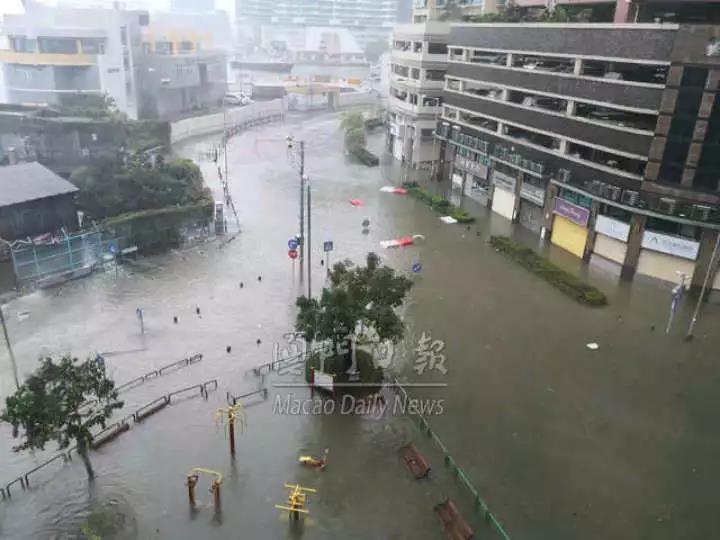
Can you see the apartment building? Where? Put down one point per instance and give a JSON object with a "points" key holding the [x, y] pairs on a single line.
{"points": [[418, 62], [185, 63], [643, 11], [54, 55], [602, 138], [368, 20], [433, 10]]}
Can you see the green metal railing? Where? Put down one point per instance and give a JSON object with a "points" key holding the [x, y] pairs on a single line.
{"points": [[454, 468]]}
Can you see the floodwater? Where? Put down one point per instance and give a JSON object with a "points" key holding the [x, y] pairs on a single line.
{"points": [[562, 442]]}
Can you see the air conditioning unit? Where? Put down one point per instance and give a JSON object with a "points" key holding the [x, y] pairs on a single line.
{"points": [[613, 193], [666, 205], [597, 187], [630, 197], [564, 175], [700, 212], [484, 146]]}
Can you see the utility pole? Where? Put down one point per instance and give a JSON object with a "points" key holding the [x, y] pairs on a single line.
{"points": [[696, 313], [309, 253], [302, 208], [9, 348]]}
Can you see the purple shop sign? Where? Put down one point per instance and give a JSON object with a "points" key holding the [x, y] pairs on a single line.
{"points": [[576, 214]]}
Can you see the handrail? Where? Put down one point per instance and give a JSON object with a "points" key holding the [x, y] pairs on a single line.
{"points": [[205, 388], [454, 467]]}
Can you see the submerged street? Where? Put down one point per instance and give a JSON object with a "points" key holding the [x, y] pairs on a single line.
{"points": [[561, 441]]}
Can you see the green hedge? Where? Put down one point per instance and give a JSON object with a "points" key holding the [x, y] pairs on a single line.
{"points": [[565, 281], [441, 204], [365, 157]]}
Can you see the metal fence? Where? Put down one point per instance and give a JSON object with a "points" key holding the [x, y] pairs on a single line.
{"points": [[110, 432], [63, 257], [450, 462]]}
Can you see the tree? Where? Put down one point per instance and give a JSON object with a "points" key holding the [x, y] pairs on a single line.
{"points": [[360, 302], [355, 140], [108, 188], [62, 401], [352, 120]]}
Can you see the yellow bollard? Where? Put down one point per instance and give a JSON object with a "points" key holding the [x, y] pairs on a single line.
{"points": [[192, 481]]}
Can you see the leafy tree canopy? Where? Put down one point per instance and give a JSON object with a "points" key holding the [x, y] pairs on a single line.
{"points": [[358, 296], [109, 188], [61, 402]]}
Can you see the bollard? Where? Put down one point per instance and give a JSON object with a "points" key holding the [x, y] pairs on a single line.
{"points": [[231, 422], [216, 493], [175, 319], [228, 349], [192, 481]]}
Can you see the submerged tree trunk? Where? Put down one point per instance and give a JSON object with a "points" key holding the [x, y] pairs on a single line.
{"points": [[82, 450]]}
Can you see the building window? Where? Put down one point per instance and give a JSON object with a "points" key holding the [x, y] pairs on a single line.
{"points": [[434, 75], [123, 36], [478, 56], [543, 63], [708, 171], [616, 117], [92, 46], [607, 159], [415, 74], [625, 71], [58, 45], [163, 47], [186, 46], [24, 45], [478, 121], [437, 48]]}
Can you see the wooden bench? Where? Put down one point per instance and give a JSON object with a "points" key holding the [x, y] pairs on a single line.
{"points": [[414, 460], [455, 526]]}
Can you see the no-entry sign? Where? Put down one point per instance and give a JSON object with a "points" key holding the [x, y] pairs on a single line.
{"points": [[292, 253]]}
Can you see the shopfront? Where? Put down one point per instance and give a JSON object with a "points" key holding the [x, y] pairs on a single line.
{"points": [[612, 237], [503, 201], [532, 199], [569, 229], [665, 256]]}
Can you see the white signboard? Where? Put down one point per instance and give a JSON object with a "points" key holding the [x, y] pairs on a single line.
{"points": [[532, 193], [612, 228], [672, 245], [504, 181]]}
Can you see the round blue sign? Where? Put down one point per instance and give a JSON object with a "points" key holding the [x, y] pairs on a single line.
{"points": [[416, 267], [112, 248], [292, 243]]}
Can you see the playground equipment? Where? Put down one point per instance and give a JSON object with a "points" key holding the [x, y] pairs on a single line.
{"points": [[193, 477], [296, 501], [231, 415], [318, 463]]}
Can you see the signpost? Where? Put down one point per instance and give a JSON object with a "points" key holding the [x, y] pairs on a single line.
{"points": [[677, 294], [327, 248], [139, 312]]}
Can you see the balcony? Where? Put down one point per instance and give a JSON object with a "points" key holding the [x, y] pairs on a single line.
{"points": [[421, 56], [46, 59], [409, 108], [416, 84]]}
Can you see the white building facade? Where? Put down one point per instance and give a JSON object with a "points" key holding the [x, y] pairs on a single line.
{"points": [[55, 56], [418, 64]]}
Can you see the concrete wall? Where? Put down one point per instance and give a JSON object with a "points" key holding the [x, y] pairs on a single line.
{"points": [[610, 248], [214, 123]]}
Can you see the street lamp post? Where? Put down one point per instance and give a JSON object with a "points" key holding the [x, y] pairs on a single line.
{"points": [[9, 348], [309, 252], [691, 329]]}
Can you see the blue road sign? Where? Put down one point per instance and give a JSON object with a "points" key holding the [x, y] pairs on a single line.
{"points": [[327, 245], [112, 248], [293, 243], [416, 267]]}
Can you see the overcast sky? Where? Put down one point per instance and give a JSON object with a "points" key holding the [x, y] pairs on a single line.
{"points": [[15, 6]]}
